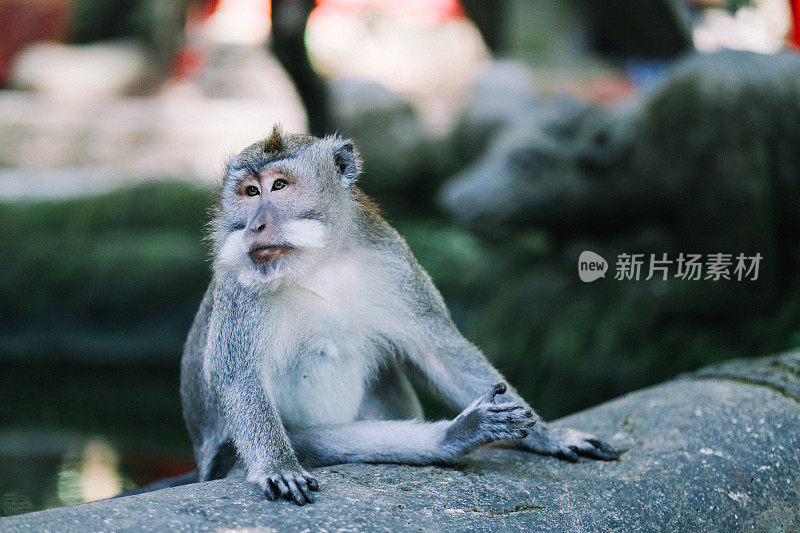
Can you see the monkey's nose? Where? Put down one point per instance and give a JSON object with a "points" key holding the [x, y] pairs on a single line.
{"points": [[262, 222]]}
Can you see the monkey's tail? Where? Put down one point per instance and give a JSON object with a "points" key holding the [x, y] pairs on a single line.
{"points": [[165, 483]]}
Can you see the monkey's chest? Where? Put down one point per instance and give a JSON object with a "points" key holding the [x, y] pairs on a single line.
{"points": [[325, 354], [324, 386]]}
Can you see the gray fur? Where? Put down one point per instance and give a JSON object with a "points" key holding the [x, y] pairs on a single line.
{"points": [[296, 356]]}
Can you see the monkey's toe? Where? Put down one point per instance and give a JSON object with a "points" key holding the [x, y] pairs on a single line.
{"points": [[570, 444], [507, 421], [602, 450], [567, 454]]}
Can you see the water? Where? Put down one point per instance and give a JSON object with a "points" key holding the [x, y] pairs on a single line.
{"points": [[76, 433]]}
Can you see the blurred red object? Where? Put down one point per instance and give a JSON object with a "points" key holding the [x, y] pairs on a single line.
{"points": [[794, 34], [145, 469], [426, 10], [26, 21], [188, 62]]}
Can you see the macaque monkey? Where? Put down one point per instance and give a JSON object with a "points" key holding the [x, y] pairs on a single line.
{"points": [[316, 315]]}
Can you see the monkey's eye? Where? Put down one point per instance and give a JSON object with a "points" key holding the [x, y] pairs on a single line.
{"points": [[278, 185], [252, 190]]}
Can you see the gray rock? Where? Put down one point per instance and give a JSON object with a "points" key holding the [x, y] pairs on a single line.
{"points": [[503, 92], [701, 453], [717, 134], [388, 132]]}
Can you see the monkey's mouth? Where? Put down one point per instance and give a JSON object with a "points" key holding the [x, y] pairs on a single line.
{"points": [[268, 252]]}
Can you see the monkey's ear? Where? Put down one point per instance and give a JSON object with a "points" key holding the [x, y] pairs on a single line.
{"points": [[347, 162]]}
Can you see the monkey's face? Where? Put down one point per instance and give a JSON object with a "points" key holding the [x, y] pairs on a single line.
{"points": [[280, 211]]}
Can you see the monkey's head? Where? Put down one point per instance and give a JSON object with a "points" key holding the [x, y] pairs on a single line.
{"points": [[283, 202]]}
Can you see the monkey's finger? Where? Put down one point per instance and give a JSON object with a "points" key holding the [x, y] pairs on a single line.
{"points": [[282, 487], [302, 484], [497, 388], [297, 495], [271, 492], [503, 407], [313, 484]]}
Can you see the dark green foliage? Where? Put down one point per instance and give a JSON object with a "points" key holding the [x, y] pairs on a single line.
{"points": [[134, 407], [735, 5], [111, 277], [157, 24], [95, 20]]}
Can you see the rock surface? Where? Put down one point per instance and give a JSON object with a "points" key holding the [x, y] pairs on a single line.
{"points": [[700, 453]]}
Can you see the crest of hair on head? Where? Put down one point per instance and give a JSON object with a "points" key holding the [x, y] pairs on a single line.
{"points": [[274, 143]]}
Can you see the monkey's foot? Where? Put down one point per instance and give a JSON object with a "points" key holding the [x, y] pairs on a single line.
{"points": [[569, 444], [293, 484], [486, 421]]}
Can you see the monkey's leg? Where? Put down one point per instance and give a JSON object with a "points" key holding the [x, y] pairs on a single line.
{"points": [[411, 441], [215, 459]]}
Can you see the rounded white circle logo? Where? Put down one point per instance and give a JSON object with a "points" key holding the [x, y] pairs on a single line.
{"points": [[591, 266]]}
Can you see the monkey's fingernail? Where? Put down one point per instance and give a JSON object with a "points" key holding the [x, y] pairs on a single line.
{"points": [[528, 413], [523, 433], [499, 388]]}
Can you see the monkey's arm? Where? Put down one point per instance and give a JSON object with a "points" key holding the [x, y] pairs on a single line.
{"points": [[457, 370], [412, 441], [250, 414]]}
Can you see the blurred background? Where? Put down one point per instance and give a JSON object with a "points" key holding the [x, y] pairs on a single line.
{"points": [[501, 139]]}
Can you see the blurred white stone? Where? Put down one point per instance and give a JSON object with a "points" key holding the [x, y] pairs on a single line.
{"points": [[238, 22], [761, 28], [429, 63], [81, 71]]}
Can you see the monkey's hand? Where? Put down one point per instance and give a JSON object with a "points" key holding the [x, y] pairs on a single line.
{"points": [[567, 444], [486, 420], [293, 483]]}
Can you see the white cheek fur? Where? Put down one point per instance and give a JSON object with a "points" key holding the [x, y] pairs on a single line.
{"points": [[305, 233], [233, 251]]}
